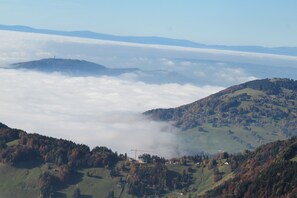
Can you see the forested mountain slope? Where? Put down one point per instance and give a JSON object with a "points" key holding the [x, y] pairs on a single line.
{"points": [[245, 115], [33, 165], [269, 171]]}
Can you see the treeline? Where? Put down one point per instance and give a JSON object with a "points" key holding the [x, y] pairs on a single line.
{"points": [[52, 150]]}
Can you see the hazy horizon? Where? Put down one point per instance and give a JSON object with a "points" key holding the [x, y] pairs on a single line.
{"points": [[264, 23]]}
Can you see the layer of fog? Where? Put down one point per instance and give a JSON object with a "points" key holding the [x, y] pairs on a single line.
{"points": [[95, 111], [165, 64]]}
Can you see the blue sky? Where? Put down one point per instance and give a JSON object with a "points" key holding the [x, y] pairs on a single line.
{"points": [[230, 22]]}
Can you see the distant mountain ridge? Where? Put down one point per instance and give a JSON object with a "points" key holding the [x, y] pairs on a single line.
{"points": [[83, 68], [70, 67], [248, 114], [291, 51]]}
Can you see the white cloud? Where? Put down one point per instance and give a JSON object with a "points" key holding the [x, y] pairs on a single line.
{"points": [[167, 62], [234, 75], [186, 63], [96, 111]]}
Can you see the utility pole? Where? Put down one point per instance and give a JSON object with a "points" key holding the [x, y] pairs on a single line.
{"points": [[136, 150]]}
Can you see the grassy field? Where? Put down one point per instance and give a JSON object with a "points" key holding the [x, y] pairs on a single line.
{"points": [[97, 182], [100, 184], [230, 139], [294, 159], [213, 141], [203, 178], [12, 143], [23, 182], [249, 91], [19, 182]]}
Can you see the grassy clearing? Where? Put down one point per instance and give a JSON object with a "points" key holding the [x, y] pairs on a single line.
{"points": [[97, 185], [213, 141], [231, 139], [203, 177], [19, 182], [249, 91], [294, 159], [23, 182], [12, 143]]}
